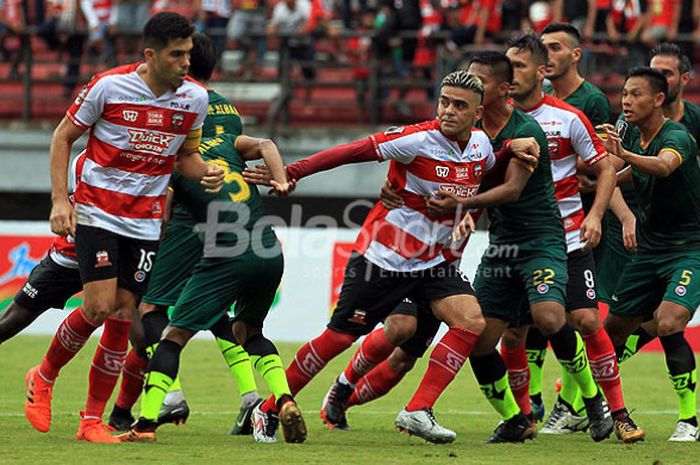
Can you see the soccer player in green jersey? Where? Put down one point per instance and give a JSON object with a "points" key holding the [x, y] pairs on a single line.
{"points": [[660, 281], [180, 250], [241, 264], [675, 66]]}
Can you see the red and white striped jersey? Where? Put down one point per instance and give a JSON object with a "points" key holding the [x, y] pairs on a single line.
{"points": [[130, 153], [570, 136], [62, 249], [423, 160]]}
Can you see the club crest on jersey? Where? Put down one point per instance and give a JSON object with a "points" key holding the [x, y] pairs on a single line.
{"points": [[177, 120], [155, 118], [590, 293], [140, 276], [621, 128], [102, 259], [358, 317], [553, 146], [478, 170], [542, 288], [442, 171], [681, 290], [130, 116]]}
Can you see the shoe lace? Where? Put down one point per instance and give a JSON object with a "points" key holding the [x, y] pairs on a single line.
{"points": [[557, 415], [429, 411]]}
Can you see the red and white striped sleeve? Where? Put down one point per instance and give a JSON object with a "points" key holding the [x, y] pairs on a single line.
{"points": [[584, 140], [401, 143], [88, 106]]}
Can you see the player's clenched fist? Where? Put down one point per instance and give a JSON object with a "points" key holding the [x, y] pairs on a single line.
{"points": [[213, 179], [62, 218]]}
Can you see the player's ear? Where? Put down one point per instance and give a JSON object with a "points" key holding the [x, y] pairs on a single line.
{"points": [[478, 113], [149, 54], [660, 99], [577, 53], [541, 70], [504, 88], [685, 79]]}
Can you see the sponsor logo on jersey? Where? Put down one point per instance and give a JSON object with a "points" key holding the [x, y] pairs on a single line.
{"points": [[81, 95], [542, 288], [462, 172], [30, 290], [130, 116], [156, 209], [442, 171], [149, 141], [621, 128], [180, 106], [102, 259], [155, 118], [681, 290], [460, 190]]}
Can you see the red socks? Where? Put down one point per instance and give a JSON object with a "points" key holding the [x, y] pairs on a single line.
{"points": [[311, 359], [603, 361], [375, 348], [107, 365], [69, 339], [445, 361], [518, 375], [132, 380], [375, 384]]}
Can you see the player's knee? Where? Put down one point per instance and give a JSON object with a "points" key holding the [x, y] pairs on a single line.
{"points": [[587, 322], [98, 312], [177, 335], [669, 325], [244, 332], [401, 362], [145, 308], [549, 324], [514, 338], [399, 328]]}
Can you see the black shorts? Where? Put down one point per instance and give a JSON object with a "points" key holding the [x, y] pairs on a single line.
{"points": [[369, 293], [49, 285], [103, 254], [581, 291], [426, 327]]}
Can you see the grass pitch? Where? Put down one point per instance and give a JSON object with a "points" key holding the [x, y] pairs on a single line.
{"points": [[213, 398]]}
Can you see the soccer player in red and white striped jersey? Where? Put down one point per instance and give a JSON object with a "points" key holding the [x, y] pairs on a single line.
{"points": [[572, 139], [406, 251], [144, 119]]}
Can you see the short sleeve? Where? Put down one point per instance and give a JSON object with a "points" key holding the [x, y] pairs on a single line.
{"points": [[202, 110], [598, 109], [585, 141], [681, 143], [399, 143], [490, 157], [88, 106]]}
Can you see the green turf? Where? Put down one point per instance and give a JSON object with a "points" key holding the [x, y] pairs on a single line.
{"points": [[213, 398]]}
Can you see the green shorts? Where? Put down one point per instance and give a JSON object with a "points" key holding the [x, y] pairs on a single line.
{"points": [[179, 252], [648, 279], [609, 268], [531, 272], [248, 281]]}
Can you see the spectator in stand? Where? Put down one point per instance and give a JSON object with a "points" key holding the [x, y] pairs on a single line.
{"points": [[187, 8], [71, 28], [582, 14], [537, 14], [472, 22], [100, 42], [688, 24], [360, 48], [214, 16], [426, 53], [126, 24], [664, 19], [247, 30], [292, 17], [11, 24], [626, 24]]}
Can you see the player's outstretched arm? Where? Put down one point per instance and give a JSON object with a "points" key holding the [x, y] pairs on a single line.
{"points": [[253, 148], [62, 217]]}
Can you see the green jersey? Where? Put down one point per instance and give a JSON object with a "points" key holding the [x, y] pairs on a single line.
{"points": [[536, 212], [589, 99], [691, 119], [242, 205], [222, 117], [669, 208]]}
